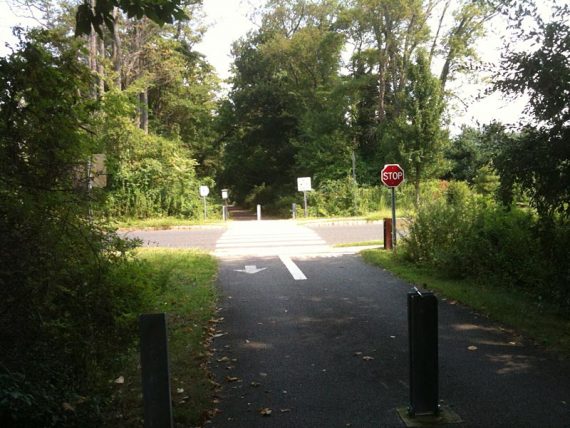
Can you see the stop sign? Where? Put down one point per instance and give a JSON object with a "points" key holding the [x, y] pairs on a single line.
{"points": [[392, 175]]}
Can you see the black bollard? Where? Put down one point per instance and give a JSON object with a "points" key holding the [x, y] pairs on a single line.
{"points": [[424, 375], [155, 371]]}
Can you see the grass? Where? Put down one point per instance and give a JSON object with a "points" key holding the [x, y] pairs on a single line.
{"points": [[542, 323], [387, 213], [359, 244], [183, 284], [161, 222]]}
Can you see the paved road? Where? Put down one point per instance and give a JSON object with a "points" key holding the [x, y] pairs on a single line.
{"points": [[285, 231], [329, 348]]}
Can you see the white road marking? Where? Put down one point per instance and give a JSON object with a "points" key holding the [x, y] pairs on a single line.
{"points": [[250, 269], [294, 270], [269, 238]]}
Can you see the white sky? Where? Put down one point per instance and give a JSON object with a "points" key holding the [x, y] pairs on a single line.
{"points": [[229, 20]]}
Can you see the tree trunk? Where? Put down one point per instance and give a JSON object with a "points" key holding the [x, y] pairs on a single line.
{"points": [[117, 60], [100, 67], [143, 95], [93, 54], [435, 39]]}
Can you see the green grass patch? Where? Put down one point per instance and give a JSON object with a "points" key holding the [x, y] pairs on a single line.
{"points": [[183, 288], [160, 222], [359, 244], [540, 322], [387, 213]]}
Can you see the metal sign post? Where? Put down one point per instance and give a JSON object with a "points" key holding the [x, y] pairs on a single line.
{"points": [[204, 191], [392, 175], [225, 206], [393, 217], [304, 185]]}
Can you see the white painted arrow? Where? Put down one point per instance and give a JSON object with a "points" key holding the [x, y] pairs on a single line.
{"points": [[250, 269]]}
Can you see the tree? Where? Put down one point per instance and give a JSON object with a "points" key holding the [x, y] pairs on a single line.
{"points": [[418, 130], [63, 305], [284, 73], [539, 160]]}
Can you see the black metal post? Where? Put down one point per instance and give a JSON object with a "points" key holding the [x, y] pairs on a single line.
{"points": [[155, 371], [423, 338]]}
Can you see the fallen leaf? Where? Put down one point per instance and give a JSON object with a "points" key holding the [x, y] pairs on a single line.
{"points": [[285, 410], [223, 360], [357, 354], [367, 358], [120, 380], [254, 384], [472, 348], [215, 336], [263, 374], [180, 390], [232, 379], [265, 411]]}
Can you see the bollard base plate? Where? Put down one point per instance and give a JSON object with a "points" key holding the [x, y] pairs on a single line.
{"points": [[445, 416]]}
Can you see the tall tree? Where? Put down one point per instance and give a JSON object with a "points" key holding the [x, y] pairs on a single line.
{"points": [[283, 71], [539, 161], [419, 128]]}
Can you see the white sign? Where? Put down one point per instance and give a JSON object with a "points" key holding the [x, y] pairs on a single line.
{"points": [[304, 184], [204, 191], [224, 194]]}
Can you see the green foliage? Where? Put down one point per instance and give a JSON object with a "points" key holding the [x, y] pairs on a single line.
{"points": [[149, 175], [161, 12], [68, 290], [419, 133], [467, 235], [282, 114], [539, 160]]}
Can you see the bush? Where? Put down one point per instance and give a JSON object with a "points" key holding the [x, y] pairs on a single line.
{"points": [[69, 293], [467, 235], [149, 175]]}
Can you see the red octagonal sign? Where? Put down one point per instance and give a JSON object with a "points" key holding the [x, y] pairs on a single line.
{"points": [[392, 175]]}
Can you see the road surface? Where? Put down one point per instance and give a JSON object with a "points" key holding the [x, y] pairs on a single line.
{"points": [[310, 336], [317, 338]]}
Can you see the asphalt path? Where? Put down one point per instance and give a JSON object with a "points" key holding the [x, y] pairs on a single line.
{"points": [[331, 350]]}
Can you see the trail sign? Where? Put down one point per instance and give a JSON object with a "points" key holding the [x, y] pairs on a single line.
{"points": [[204, 191], [304, 184], [392, 175]]}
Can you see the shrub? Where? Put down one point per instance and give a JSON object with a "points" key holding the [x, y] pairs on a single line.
{"points": [[467, 235], [69, 292]]}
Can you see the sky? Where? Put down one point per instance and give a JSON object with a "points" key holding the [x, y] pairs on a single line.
{"points": [[229, 20]]}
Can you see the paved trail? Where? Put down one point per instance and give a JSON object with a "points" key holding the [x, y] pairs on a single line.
{"points": [[330, 349], [300, 317]]}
